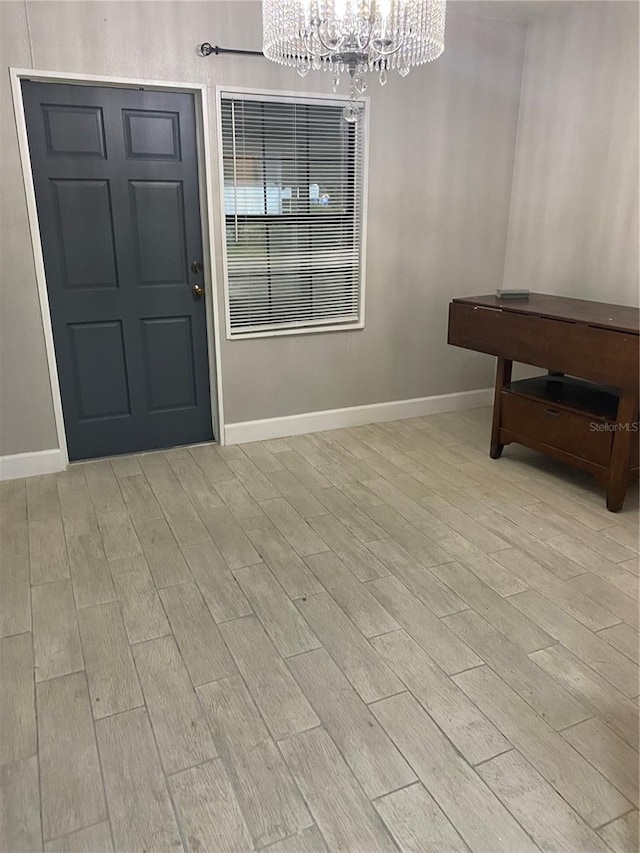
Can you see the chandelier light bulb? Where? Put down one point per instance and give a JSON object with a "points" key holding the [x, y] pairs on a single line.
{"points": [[353, 35]]}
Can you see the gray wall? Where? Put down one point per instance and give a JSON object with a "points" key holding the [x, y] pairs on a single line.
{"points": [[445, 216], [573, 226], [26, 410], [441, 162]]}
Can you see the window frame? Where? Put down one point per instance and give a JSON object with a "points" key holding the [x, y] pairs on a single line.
{"points": [[303, 327]]}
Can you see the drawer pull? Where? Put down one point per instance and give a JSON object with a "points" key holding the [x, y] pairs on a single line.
{"points": [[554, 413]]}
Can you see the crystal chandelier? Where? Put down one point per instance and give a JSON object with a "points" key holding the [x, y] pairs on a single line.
{"points": [[354, 36]]}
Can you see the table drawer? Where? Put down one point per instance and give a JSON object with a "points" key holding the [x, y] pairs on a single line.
{"points": [[543, 423]]}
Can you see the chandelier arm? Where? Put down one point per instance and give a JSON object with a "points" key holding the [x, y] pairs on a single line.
{"points": [[364, 45], [329, 48], [321, 54], [384, 54]]}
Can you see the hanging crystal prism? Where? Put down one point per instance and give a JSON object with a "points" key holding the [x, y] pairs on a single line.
{"points": [[351, 112]]}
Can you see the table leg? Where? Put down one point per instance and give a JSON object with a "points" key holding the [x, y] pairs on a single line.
{"points": [[503, 377], [621, 450]]}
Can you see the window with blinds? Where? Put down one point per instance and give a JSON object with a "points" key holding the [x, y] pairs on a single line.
{"points": [[293, 174]]}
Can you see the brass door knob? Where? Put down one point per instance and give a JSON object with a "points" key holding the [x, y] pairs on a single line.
{"points": [[198, 291]]}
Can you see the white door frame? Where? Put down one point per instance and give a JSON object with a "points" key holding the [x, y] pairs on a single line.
{"points": [[205, 170]]}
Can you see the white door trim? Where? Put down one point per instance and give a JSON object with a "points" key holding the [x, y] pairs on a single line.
{"points": [[205, 167]]}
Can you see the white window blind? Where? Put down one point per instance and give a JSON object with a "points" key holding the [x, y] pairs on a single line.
{"points": [[293, 210]]}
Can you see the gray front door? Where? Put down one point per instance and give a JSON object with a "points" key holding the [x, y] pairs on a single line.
{"points": [[116, 182]]}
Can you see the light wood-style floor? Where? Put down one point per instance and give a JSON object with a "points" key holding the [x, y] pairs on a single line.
{"points": [[362, 640]]}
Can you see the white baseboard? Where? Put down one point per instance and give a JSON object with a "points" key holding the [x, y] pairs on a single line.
{"points": [[395, 410], [31, 464], [51, 461]]}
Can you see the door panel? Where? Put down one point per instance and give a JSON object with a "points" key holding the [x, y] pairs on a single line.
{"points": [[102, 389], [158, 217], [74, 130], [168, 361], [152, 135], [84, 217], [116, 180]]}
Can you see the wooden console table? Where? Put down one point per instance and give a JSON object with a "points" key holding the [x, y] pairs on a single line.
{"points": [[585, 411]]}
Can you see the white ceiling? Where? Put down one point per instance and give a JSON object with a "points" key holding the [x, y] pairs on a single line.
{"points": [[517, 11]]}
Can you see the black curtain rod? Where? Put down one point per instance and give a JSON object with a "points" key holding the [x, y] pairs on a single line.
{"points": [[207, 49]]}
